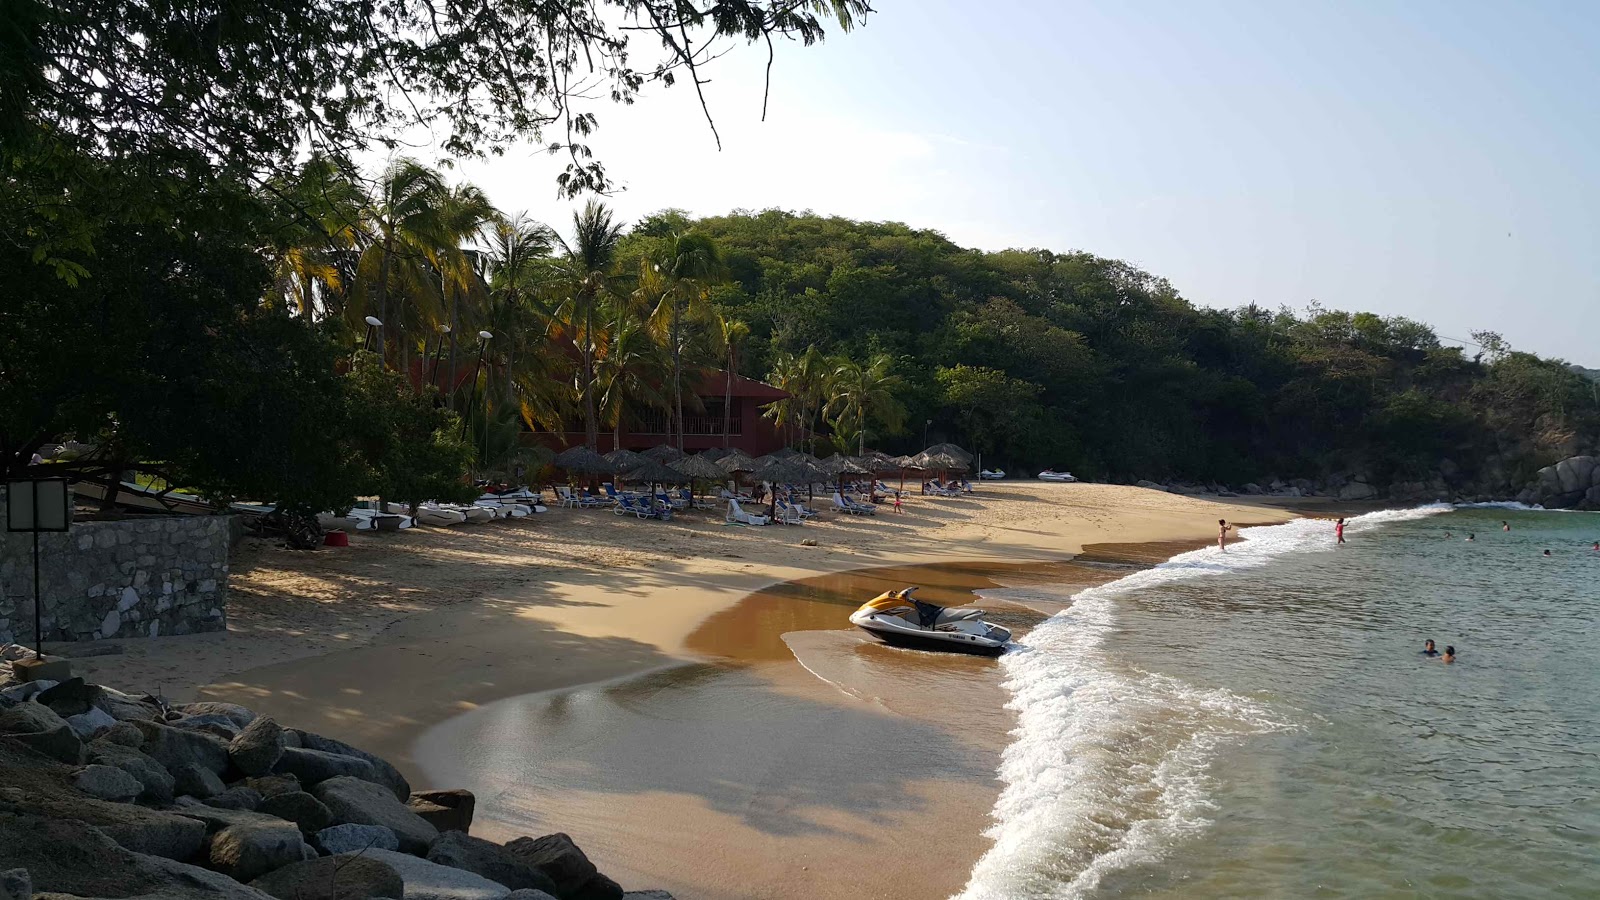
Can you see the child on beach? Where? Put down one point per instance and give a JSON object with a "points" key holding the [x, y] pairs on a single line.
{"points": [[1338, 529], [1222, 534]]}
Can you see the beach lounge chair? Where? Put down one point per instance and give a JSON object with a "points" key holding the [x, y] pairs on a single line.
{"points": [[564, 497], [628, 506], [786, 514], [853, 507], [736, 513]]}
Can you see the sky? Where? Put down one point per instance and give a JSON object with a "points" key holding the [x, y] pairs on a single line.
{"points": [[1436, 160]]}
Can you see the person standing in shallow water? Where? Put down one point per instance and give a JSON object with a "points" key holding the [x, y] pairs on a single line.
{"points": [[1222, 534], [1338, 529], [1504, 525]]}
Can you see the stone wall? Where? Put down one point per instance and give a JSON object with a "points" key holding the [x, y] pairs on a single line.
{"points": [[141, 577]]}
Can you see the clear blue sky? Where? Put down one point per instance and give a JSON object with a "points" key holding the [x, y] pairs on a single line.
{"points": [[1430, 159]]}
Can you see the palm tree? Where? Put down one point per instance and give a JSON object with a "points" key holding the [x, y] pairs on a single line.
{"points": [[680, 278], [730, 335], [805, 378], [320, 208], [582, 285], [465, 214], [633, 368], [862, 393], [521, 322], [403, 227]]}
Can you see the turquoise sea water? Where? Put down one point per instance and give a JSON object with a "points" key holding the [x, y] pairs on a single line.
{"points": [[1260, 723]]}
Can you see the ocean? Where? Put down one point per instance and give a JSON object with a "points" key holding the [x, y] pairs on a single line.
{"points": [[1261, 722]]}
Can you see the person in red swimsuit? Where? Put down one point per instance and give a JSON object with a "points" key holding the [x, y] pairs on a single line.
{"points": [[1338, 530]]}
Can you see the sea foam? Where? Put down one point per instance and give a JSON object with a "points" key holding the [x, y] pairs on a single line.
{"points": [[1108, 764]]}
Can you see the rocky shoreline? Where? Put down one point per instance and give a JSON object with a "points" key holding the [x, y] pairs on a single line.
{"points": [[110, 795]]}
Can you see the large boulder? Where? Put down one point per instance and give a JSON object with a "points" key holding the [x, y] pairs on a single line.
{"points": [[196, 781], [457, 849], [382, 772], [530, 894], [72, 697], [1357, 491], [233, 712], [1575, 474], [562, 862], [126, 707], [16, 884], [155, 779], [351, 877], [237, 797], [430, 881], [258, 747], [91, 724], [315, 766], [445, 810], [179, 747], [108, 783], [217, 818], [37, 726], [355, 839], [267, 785], [246, 852], [353, 800], [298, 807]]}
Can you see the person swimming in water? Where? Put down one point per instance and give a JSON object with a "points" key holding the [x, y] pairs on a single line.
{"points": [[1427, 648], [1597, 545], [1222, 534], [1471, 536], [1338, 530], [1447, 535], [1449, 655], [1504, 525], [1547, 553]]}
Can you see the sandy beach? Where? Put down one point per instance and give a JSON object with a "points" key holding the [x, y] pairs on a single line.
{"points": [[406, 643]]}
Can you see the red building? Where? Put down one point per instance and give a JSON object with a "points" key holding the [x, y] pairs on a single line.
{"points": [[646, 428]]}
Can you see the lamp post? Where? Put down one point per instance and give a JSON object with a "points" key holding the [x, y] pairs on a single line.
{"points": [[373, 324], [483, 346], [432, 375], [925, 426], [38, 505]]}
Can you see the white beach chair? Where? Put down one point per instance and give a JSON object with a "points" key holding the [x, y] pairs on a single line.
{"points": [[736, 513]]}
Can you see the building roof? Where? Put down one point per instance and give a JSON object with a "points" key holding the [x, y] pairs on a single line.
{"points": [[715, 384]]}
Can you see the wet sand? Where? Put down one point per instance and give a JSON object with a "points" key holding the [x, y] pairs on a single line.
{"points": [[844, 766]]}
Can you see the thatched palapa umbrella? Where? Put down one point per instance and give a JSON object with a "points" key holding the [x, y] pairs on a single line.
{"points": [[940, 462], [951, 450], [580, 460], [737, 461], [626, 460], [698, 467], [786, 471], [654, 473], [664, 453], [715, 453], [903, 463]]}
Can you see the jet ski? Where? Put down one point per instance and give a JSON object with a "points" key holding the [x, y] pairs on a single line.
{"points": [[992, 474], [900, 619], [1050, 475]]}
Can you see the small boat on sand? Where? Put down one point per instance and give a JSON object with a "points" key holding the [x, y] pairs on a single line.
{"points": [[1052, 475], [900, 619], [992, 474]]}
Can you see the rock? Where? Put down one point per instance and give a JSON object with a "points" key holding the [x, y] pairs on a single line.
{"points": [[457, 849], [72, 697], [258, 747], [87, 725], [315, 766], [216, 818], [561, 861], [354, 839], [1253, 489], [150, 832], [656, 894], [358, 802], [430, 881], [196, 781], [38, 727], [178, 747], [154, 778], [445, 810], [383, 773], [237, 797], [1357, 491], [213, 724], [1575, 474], [298, 807], [238, 715], [267, 785], [124, 734], [351, 877], [126, 708], [246, 852], [1150, 485], [108, 783], [70, 857], [15, 884], [530, 894]]}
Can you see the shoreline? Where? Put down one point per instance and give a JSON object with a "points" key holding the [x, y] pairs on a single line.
{"points": [[576, 600]]}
